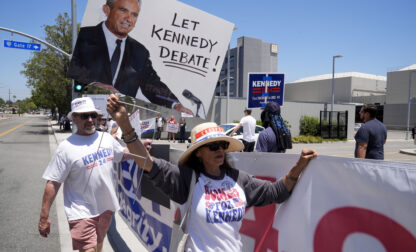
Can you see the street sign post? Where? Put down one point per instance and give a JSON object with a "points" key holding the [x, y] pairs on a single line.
{"points": [[21, 45], [264, 88]]}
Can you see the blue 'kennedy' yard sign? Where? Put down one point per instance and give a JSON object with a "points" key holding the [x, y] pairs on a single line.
{"points": [[264, 88]]}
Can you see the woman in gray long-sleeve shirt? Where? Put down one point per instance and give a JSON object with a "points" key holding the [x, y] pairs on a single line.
{"points": [[221, 193]]}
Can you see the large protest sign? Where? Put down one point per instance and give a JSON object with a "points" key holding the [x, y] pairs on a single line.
{"points": [[172, 127], [187, 47], [339, 204]]}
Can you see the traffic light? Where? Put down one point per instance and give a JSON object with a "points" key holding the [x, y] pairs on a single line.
{"points": [[78, 87]]}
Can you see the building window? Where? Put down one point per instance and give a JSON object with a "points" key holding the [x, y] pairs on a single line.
{"points": [[232, 59], [273, 48]]}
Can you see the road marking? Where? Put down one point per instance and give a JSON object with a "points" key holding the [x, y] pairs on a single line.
{"points": [[15, 128]]}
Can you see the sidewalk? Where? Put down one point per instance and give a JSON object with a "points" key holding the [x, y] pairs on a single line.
{"points": [[65, 237]]}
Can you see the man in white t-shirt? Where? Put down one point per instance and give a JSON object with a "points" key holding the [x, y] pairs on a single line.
{"points": [[249, 128], [84, 163], [159, 126]]}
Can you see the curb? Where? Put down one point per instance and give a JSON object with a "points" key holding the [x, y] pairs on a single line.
{"points": [[408, 151]]}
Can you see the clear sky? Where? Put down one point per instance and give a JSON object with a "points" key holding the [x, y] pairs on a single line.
{"points": [[374, 36]]}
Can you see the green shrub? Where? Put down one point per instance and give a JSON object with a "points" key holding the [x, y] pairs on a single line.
{"points": [[309, 126], [307, 139], [314, 139], [288, 124]]}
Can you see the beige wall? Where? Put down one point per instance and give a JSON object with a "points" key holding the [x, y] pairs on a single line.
{"points": [[398, 87], [345, 89], [291, 112]]}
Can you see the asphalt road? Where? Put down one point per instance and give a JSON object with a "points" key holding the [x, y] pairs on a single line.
{"points": [[25, 152]]}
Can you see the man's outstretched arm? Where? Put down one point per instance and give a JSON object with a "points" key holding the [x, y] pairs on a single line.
{"points": [[51, 189]]}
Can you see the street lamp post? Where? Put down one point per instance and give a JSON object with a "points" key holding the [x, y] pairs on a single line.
{"points": [[228, 84], [333, 80], [74, 34], [221, 81], [409, 104]]}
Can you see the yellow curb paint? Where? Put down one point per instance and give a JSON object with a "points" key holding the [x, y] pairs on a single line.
{"points": [[12, 129]]}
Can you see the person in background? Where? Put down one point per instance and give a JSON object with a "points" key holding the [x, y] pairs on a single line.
{"points": [[182, 129], [62, 122], [101, 123], [371, 136], [273, 138], [159, 126], [171, 135], [214, 222], [249, 129]]}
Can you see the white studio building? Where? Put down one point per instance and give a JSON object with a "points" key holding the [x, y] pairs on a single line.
{"points": [[350, 87], [400, 84]]}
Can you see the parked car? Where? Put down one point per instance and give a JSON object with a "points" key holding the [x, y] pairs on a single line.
{"points": [[357, 127], [229, 127]]}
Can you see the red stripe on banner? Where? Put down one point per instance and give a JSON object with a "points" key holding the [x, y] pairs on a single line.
{"points": [[261, 229], [276, 89]]}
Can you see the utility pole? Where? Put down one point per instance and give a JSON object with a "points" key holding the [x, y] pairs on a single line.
{"points": [[74, 34]]}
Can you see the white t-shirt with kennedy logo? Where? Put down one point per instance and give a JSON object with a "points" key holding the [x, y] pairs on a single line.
{"points": [[86, 172], [219, 204]]}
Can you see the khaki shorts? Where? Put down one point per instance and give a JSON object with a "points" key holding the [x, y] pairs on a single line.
{"points": [[87, 233]]}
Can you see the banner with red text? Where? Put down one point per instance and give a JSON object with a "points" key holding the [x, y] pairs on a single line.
{"points": [[343, 204], [339, 204]]}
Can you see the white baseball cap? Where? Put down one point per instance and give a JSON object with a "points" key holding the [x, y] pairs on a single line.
{"points": [[82, 105]]}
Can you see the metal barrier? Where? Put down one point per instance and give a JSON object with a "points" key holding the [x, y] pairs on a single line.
{"points": [[334, 124]]}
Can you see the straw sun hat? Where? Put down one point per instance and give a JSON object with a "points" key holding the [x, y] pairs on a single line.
{"points": [[205, 133]]}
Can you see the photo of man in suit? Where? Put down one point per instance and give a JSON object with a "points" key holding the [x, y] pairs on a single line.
{"points": [[105, 56]]}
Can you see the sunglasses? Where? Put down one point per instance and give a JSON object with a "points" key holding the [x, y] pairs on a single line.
{"points": [[86, 116], [216, 145]]}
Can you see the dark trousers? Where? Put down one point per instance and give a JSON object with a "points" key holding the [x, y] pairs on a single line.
{"points": [[248, 146], [158, 133]]}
